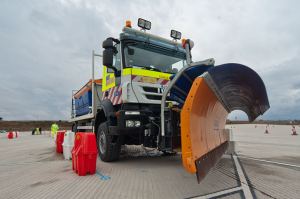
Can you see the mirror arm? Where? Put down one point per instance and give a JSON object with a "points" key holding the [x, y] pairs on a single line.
{"points": [[114, 69], [114, 40]]}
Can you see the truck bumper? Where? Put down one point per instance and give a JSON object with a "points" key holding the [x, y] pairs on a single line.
{"points": [[115, 130], [122, 127]]}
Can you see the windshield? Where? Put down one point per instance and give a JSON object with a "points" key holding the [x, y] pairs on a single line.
{"points": [[147, 56]]}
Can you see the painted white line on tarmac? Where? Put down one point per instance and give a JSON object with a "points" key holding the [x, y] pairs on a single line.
{"points": [[220, 193], [244, 183], [272, 162]]}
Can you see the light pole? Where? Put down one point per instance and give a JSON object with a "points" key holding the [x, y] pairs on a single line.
{"points": [[93, 86]]}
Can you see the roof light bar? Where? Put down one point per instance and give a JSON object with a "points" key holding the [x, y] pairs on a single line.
{"points": [[144, 24], [175, 34]]}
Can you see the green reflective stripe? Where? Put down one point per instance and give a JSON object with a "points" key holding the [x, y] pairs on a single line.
{"points": [[143, 72], [108, 79]]}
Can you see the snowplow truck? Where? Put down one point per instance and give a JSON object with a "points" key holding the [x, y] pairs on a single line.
{"points": [[153, 94]]}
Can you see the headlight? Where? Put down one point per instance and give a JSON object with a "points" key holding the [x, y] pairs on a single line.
{"points": [[133, 123], [137, 123], [129, 123], [144, 24], [175, 34], [132, 112]]}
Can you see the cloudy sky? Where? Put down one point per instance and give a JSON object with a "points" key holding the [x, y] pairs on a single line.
{"points": [[46, 46]]}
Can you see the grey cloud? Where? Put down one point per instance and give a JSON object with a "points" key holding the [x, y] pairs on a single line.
{"points": [[46, 46], [47, 53], [284, 97]]}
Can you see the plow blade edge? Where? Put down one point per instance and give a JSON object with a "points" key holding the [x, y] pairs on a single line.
{"points": [[211, 98]]}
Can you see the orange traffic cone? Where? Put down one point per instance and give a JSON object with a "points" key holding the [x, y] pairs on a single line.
{"points": [[294, 132]]}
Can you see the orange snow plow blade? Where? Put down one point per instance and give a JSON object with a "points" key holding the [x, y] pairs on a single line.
{"points": [[203, 130], [211, 98]]}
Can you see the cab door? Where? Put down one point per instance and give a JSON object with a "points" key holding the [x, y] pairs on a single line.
{"points": [[109, 80]]}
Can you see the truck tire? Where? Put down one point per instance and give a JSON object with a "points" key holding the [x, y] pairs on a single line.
{"points": [[109, 147]]}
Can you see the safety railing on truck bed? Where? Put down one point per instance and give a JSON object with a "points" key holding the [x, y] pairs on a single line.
{"points": [[73, 110], [91, 98]]}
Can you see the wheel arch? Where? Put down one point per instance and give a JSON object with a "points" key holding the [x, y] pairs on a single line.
{"points": [[104, 113]]}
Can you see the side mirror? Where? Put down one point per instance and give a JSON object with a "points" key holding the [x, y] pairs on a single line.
{"points": [[108, 53], [108, 58], [107, 43]]}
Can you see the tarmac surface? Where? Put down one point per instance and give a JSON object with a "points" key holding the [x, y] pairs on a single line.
{"points": [[266, 166]]}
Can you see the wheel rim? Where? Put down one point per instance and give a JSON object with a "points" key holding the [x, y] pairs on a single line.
{"points": [[102, 142]]}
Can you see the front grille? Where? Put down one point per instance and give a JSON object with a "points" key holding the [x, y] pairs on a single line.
{"points": [[150, 89], [154, 97]]}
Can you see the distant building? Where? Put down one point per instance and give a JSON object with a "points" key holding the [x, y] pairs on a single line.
{"points": [[0, 118]]}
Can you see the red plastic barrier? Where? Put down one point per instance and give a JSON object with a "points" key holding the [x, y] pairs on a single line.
{"points": [[10, 135], [84, 153], [77, 143], [59, 141]]}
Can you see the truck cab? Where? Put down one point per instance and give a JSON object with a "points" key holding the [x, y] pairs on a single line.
{"points": [[136, 69], [142, 64]]}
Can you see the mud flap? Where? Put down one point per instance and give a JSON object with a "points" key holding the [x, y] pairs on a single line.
{"points": [[212, 96]]}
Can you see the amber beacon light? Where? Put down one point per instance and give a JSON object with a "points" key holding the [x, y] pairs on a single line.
{"points": [[128, 24]]}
